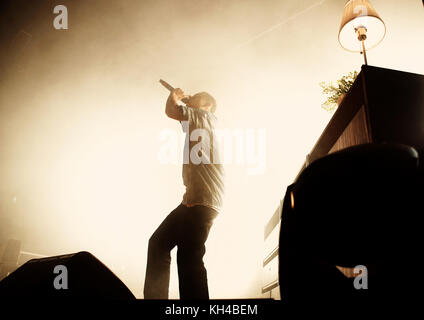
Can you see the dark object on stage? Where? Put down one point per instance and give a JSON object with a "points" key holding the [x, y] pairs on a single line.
{"points": [[88, 278], [357, 206]]}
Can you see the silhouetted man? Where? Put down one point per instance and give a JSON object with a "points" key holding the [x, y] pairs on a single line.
{"points": [[188, 225]]}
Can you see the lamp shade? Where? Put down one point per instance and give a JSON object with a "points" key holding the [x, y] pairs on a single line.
{"points": [[360, 13]]}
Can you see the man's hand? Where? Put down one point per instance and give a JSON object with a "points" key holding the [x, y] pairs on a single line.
{"points": [[177, 95], [172, 109]]}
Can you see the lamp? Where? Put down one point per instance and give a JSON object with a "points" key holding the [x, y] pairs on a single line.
{"points": [[361, 28]]}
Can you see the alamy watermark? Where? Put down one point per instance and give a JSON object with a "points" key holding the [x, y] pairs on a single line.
{"points": [[361, 278], [222, 146], [61, 20], [61, 280]]}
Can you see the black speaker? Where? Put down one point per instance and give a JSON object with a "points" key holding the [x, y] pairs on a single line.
{"points": [[357, 206], [75, 276]]}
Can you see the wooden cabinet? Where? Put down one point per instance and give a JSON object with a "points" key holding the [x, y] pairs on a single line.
{"points": [[383, 105]]}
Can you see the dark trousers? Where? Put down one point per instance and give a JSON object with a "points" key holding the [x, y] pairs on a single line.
{"points": [[187, 228]]}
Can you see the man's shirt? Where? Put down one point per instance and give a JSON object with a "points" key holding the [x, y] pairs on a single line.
{"points": [[203, 172]]}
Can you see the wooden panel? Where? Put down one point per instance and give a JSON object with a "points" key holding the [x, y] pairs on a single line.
{"points": [[273, 293], [272, 223], [270, 273], [270, 286], [355, 133], [271, 242]]}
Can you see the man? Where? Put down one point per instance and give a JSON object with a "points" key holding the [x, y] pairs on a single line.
{"points": [[188, 225]]}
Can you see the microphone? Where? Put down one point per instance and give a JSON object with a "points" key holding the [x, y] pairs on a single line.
{"points": [[170, 88], [166, 85]]}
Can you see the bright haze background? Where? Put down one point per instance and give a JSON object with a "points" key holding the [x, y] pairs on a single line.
{"points": [[81, 111]]}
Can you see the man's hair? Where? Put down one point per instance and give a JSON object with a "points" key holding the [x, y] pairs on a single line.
{"points": [[211, 100]]}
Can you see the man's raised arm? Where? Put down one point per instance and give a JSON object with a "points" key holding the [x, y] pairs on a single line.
{"points": [[172, 110]]}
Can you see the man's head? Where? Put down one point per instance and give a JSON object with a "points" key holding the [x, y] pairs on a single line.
{"points": [[202, 100]]}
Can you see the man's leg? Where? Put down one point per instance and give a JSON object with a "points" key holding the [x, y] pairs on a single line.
{"points": [[192, 274], [156, 285]]}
